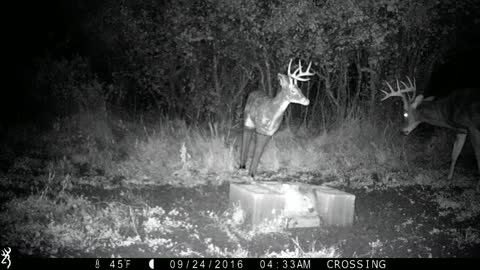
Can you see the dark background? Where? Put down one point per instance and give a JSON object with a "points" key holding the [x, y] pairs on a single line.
{"points": [[57, 30]]}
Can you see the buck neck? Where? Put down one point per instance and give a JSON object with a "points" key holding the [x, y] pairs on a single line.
{"points": [[435, 113], [279, 104]]}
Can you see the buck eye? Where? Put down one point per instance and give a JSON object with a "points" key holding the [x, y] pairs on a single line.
{"points": [[405, 114]]}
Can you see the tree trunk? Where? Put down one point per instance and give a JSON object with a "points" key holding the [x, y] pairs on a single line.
{"points": [[216, 81], [268, 76], [262, 78]]}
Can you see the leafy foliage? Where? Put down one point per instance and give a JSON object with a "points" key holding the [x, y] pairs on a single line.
{"points": [[199, 59], [69, 85]]}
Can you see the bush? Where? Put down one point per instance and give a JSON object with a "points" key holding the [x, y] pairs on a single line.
{"points": [[69, 86]]}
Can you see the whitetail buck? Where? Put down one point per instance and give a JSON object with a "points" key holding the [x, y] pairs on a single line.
{"points": [[459, 111], [264, 114]]}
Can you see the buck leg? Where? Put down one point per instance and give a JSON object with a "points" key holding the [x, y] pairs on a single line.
{"points": [[260, 143], [457, 148], [475, 138], [247, 136]]}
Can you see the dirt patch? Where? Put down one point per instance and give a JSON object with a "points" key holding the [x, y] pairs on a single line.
{"points": [[88, 220], [392, 222]]}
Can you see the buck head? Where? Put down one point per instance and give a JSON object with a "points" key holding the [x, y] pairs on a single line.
{"points": [[410, 103], [289, 84]]}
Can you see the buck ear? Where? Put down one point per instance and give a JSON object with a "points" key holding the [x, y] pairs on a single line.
{"points": [[284, 82], [418, 100], [430, 98]]}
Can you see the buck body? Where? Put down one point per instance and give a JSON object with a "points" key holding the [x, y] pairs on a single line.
{"points": [[263, 115], [459, 111]]}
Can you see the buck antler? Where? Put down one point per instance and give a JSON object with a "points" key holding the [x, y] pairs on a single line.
{"points": [[298, 73], [403, 93]]}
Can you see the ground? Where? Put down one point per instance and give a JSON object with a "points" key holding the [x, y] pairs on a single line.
{"points": [[167, 221], [80, 192]]}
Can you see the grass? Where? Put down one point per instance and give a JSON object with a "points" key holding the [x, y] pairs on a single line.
{"points": [[170, 152], [49, 208]]}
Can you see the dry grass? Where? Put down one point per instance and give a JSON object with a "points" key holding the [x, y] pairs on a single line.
{"points": [[172, 152]]}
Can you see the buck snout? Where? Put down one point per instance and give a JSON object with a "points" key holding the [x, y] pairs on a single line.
{"points": [[405, 131], [411, 125], [305, 101]]}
